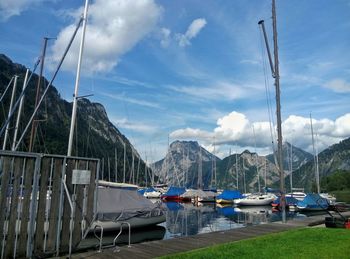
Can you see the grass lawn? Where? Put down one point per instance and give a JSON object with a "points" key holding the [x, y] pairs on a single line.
{"points": [[301, 243]]}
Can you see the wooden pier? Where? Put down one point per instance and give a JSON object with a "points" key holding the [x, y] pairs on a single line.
{"points": [[181, 244]]}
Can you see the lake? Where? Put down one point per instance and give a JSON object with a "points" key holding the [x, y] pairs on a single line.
{"points": [[186, 219]]}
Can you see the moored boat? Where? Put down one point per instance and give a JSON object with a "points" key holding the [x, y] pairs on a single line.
{"points": [[255, 200], [297, 195], [291, 203], [174, 194], [151, 193], [122, 205], [228, 196], [313, 202]]}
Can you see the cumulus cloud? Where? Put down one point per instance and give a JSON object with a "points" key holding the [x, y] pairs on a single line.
{"points": [[190, 133], [338, 85], [9, 8], [236, 129], [195, 27], [114, 27]]}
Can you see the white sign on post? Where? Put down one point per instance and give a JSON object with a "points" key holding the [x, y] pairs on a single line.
{"points": [[81, 176]]}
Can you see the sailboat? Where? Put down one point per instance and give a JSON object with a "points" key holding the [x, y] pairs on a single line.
{"points": [[120, 203], [330, 198]]}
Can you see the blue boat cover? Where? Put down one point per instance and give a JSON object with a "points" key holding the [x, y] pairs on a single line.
{"points": [[141, 191], [313, 200], [229, 195], [175, 191]]}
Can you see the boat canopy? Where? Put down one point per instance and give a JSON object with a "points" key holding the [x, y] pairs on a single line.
{"points": [[121, 204], [195, 193], [175, 191], [313, 200], [230, 195]]}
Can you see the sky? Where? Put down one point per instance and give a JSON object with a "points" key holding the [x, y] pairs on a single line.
{"points": [[196, 69]]}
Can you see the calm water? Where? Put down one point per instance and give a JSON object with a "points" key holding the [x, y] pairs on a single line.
{"points": [[185, 219]]}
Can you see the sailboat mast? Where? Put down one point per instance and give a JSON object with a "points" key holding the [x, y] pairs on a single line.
{"points": [[278, 111], [34, 123], [317, 177], [10, 111], [75, 97], [19, 112]]}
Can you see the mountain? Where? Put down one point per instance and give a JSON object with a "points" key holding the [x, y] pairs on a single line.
{"points": [[183, 164], [299, 157], [246, 172], [95, 135], [333, 159], [181, 167]]}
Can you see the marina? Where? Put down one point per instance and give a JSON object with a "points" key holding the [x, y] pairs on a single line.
{"points": [[189, 220], [185, 243], [84, 190]]}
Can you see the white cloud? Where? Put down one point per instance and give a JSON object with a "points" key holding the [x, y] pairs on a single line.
{"points": [[9, 8], [235, 129], [190, 133], [195, 27], [124, 98], [338, 85], [165, 37], [220, 90], [140, 127], [114, 27]]}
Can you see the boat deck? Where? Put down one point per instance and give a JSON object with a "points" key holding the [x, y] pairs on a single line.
{"points": [[181, 244]]}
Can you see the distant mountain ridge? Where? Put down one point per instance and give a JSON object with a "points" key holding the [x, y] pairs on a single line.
{"points": [[95, 136], [336, 157], [184, 161], [247, 171]]}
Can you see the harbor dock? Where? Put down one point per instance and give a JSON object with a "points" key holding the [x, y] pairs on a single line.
{"points": [[181, 244]]}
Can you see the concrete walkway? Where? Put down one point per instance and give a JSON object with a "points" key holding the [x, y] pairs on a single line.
{"points": [[181, 244]]}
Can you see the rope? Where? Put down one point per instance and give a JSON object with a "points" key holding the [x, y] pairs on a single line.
{"points": [[268, 98]]}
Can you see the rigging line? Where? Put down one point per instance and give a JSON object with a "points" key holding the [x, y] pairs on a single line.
{"points": [[19, 98], [268, 98], [267, 89], [53, 78], [7, 87]]}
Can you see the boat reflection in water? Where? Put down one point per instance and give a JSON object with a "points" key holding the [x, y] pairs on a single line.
{"points": [[186, 219]]}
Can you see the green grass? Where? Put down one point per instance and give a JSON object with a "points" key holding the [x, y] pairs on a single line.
{"points": [[302, 243]]}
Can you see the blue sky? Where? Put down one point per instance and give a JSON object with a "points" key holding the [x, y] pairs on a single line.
{"points": [[194, 70]]}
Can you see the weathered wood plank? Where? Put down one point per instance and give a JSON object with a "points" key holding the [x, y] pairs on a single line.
{"points": [[5, 177], [16, 181], [67, 209], [40, 220], [54, 208], [79, 191], [29, 164]]}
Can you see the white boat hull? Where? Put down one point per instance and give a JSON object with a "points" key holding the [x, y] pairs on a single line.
{"points": [[254, 201]]}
